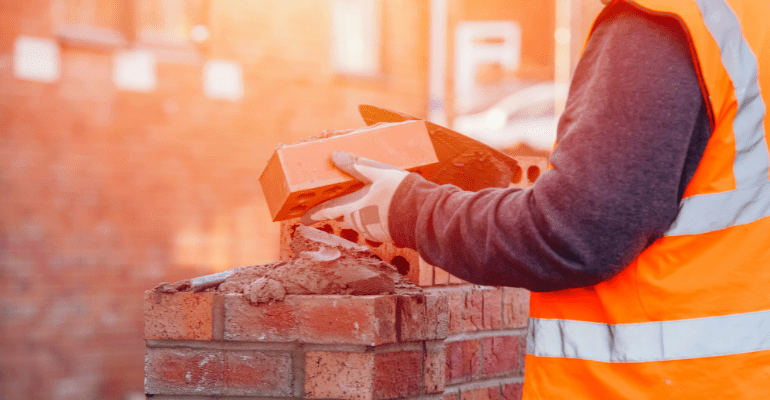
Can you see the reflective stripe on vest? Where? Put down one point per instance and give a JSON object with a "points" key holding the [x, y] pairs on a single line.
{"points": [[750, 200], [650, 341]]}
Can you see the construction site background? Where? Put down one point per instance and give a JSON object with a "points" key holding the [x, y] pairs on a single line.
{"points": [[132, 135]]}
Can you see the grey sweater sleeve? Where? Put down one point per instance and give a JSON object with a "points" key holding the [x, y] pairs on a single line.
{"points": [[632, 134]]}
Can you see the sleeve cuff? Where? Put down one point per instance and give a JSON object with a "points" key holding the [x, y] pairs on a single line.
{"points": [[404, 208]]}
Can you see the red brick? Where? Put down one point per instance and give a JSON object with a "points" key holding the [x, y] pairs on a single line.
{"points": [[492, 393], [411, 314], [515, 308], [277, 322], [452, 396], [178, 316], [456, 300], [473, 314], [416, 273], [435, 367], [512, 391], [184, 371], [406, 260], [426, 273], [301, 176], [531, 167], [440, 277], [368, 320], [397, 374], [423, 317], [463, 360], [339, 375], [502, 355], [493, 313], [257, 373], [437, 315]]}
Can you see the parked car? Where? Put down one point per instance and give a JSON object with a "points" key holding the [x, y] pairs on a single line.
{"points": [[526, 117]]}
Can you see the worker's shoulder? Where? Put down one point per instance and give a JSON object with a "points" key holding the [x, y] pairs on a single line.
{"points": [[633, 20]]}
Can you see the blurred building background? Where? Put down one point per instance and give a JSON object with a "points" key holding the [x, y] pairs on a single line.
{"points": [[133, 132]]}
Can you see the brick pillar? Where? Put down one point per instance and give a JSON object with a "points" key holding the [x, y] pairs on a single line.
{"points": [[455, 341], [307, 346]]}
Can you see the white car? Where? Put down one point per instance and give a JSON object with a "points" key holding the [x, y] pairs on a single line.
{"points": [[526, 116]]}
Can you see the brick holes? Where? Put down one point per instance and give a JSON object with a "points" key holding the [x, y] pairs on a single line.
{"points": [[302, 204], [533, 172], [303, 197], [327, 228], [517, 173], [297, 210], [373, 244], [401, 264], [334, 191], [349, 234], [292, 231]]}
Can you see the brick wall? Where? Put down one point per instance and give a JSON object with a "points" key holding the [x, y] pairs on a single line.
{"points": [[486, 341], [460, 342], [104, 191], [343, 347]]}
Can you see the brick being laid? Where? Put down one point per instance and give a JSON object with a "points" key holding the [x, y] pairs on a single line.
{"points": [[301, 175]]}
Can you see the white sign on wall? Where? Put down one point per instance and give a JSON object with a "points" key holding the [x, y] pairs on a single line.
{"points": [[134, 70], [355, 37], [478, 43], [223, 79], [36, 59]]}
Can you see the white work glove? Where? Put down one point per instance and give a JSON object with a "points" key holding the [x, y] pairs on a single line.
{"points": [[366, 210]]}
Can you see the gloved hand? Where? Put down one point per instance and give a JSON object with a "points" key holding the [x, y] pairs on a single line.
{"points": [[366, 210]]}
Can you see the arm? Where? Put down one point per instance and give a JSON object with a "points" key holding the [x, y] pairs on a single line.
{"points": [[633, 132]]}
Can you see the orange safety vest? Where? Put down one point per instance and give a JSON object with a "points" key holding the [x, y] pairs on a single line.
{"points": [[689, 318]]}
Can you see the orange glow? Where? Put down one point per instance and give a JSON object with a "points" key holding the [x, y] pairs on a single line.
{"points": [[122, 167]]}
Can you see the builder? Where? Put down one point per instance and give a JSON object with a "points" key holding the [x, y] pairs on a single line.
{"points": [[648, 243]]}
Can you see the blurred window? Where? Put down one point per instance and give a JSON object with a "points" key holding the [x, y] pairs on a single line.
{"points": [[355, 37], [115, 23], [100, 23], [170, 20], [95, 13]]}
